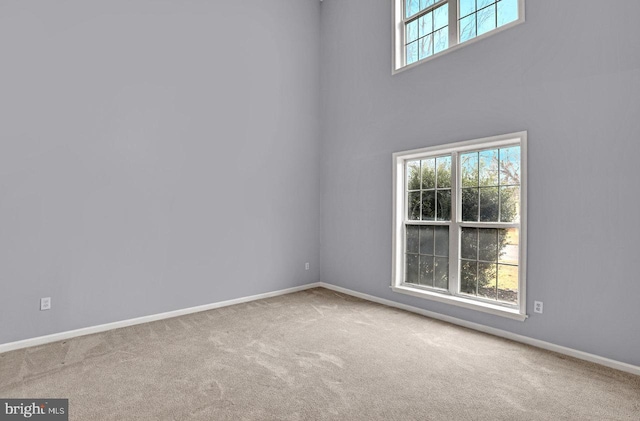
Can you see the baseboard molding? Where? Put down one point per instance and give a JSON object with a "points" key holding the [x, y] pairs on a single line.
{"points": [[41, 340], [618, 365]]}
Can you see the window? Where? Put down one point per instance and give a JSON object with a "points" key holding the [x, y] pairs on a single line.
{"points": [[460, 224], [426, 28]]}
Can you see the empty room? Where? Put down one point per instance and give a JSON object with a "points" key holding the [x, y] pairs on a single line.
{"points": [[319, 210]]}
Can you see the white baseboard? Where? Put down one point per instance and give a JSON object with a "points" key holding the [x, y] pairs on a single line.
{"points": [[41, 340], [618, 365]]}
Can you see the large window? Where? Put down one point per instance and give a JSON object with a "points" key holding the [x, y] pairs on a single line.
{"points": [[459, 224], [425, 28]]}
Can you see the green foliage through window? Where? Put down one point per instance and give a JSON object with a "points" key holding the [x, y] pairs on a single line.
{"points": [[490, 192]]}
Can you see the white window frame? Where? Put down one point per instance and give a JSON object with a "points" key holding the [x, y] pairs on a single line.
{"points": [[517, 312], [398, 51]]}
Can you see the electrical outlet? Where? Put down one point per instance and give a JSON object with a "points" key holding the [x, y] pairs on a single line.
{"points": [[45, 303], [306, 266], [537, 306]]}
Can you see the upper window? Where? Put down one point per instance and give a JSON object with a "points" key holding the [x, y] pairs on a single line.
{"points": [[459, 224], [425, 28]]}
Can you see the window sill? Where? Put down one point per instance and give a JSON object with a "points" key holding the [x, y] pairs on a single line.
{"points": [[497, 310]]}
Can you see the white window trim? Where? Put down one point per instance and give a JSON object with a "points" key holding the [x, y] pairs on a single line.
{"points": [[398, 51], [399, 210]]}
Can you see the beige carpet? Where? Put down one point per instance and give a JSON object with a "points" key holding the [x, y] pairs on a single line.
{"points": [[314, 355]]}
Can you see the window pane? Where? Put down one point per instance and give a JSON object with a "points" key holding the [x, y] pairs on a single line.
{"points": [[488, 245], [483, 3], [444, 205], [469, 204], [412, 239], [509, 244], [426, 270], [413, 175], [508, 283], [468, 277], [411, 7], [429, 173], [412, 52], [442, 241], [426, 47], [428, 205], [486, 19], [467, 28], [510, 166], [469, 165], [425, 24], [412, 31], [469, 243], [487, 279], [413, 207], [426, 3], [411, 269], [497, 255], [441, 17], [507, 11], [426, 240], [488, 204], [441, 40], [466, 7], [444, 172], [442, 272], [488, 162], [510, 204]]}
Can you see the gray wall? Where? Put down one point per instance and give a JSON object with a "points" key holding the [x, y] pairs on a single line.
{"points": [[154, 155], [570, 76]]}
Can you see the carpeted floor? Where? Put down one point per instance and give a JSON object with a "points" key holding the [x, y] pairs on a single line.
{"points": [[314, 355]]}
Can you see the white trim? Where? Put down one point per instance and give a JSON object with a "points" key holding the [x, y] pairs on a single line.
{"points": [[55, 337], [495, 309], [581, 355], [397, 52], [618, 365], [522, 234]]}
